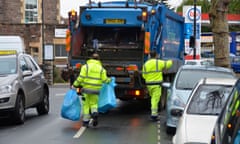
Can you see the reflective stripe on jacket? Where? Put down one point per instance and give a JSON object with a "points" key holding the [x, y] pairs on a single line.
{"points": [[152, 70], [91, 77]]}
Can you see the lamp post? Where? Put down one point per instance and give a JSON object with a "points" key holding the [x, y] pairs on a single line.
{"points": [[194, 31], [43, 33]]}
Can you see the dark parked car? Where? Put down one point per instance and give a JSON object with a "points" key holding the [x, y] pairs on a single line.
{"points": [[22, 86], [227, 127]]}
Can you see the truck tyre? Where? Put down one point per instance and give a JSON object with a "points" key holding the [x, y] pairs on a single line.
{"points": [[43, 106], [19, 111]]}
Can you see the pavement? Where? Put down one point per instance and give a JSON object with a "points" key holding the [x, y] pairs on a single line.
{"points": [[59, 85]]}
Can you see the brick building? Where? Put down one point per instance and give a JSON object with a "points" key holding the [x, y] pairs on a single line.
{"points": [[37, 25]]}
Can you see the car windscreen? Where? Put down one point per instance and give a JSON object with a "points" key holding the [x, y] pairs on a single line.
{"points": [[209, 99], [188, 78], [8, 64]]}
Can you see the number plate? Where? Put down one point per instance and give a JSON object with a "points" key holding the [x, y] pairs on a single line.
{"points": [[114, 21]]}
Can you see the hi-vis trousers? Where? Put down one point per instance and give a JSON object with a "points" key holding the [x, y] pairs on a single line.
{"points": [[90, 105], [155, 92]]}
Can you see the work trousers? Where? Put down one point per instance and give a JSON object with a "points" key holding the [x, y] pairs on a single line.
{"points": [[90, 105], [155, 92]]}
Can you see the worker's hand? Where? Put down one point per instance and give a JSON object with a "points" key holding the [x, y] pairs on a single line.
{"points": [[72, 87], [108, 80]]}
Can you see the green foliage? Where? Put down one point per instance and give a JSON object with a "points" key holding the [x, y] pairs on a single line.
{"points": [[233, 8]]}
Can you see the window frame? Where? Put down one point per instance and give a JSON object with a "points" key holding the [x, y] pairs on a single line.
{"points": [[32, 11]]}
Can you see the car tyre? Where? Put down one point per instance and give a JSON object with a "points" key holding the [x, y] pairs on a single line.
{"points": [[170, 130], [43, 106], [19, 111]]}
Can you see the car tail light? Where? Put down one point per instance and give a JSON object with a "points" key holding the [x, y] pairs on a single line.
{"points": [[134, 92], [119, 68], [132, 68], [128, 68]]}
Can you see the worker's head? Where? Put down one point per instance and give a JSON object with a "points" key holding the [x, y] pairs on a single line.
{"points": [[95, 56], [153, 54]]}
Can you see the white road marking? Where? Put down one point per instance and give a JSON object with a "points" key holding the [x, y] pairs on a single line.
{"points": [[60, 94], [158, 131], [81, 130]]}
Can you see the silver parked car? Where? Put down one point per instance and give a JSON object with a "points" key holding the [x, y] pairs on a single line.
{"points": [[22, 86], [204, 105], [184, 81]]}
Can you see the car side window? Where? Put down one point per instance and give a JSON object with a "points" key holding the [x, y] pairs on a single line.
{"points": [[229, 120], [23, 64], [31, 63]]}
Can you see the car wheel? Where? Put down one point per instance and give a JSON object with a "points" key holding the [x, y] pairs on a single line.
{"points": [[43, 106], [19, 112], [170, 130]]}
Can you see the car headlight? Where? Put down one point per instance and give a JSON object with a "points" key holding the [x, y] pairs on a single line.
{"points": [[178, 102], [5, 89]]}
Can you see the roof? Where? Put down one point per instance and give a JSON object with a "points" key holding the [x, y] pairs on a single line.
{"points": [[206, 67], [220, 81]]}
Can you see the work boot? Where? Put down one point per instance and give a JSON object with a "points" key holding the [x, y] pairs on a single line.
{"points": [[95, 118], [85, 124], [154, 118]]}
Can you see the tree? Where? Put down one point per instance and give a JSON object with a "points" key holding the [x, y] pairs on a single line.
{"points": [[218, 20]]}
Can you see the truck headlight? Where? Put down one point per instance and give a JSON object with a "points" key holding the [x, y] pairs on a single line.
{"points": [[5, 89]]}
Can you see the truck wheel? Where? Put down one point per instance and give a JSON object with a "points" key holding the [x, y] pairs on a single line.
{"points": [[43, 106], [19, 112]]}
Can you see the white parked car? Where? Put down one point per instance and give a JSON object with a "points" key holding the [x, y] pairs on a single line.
{"points": [[181, 88], [205, 103]]}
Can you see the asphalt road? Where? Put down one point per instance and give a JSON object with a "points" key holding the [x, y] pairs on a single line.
{"points": [[128, 123]]}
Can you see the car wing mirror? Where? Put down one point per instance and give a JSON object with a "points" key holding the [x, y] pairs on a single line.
{"points": [[177, 112], [166, 84]]}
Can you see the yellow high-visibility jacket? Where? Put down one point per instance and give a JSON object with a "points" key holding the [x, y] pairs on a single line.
{"points": [[152, 70], [91, 77]]}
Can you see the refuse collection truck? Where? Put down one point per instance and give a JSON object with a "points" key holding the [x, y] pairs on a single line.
{"points": [[123, 33]]}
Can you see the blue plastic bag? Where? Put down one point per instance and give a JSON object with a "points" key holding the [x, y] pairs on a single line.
{"points": [[71, 106], [107, 97], [237, 138]]}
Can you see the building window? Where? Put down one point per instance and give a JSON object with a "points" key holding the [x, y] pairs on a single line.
{"points": [[31, 11], [60, 51]]}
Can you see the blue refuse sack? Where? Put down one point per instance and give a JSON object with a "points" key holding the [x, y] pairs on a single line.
{"points": [[107, 98], [237, 138], [71, 106]]}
